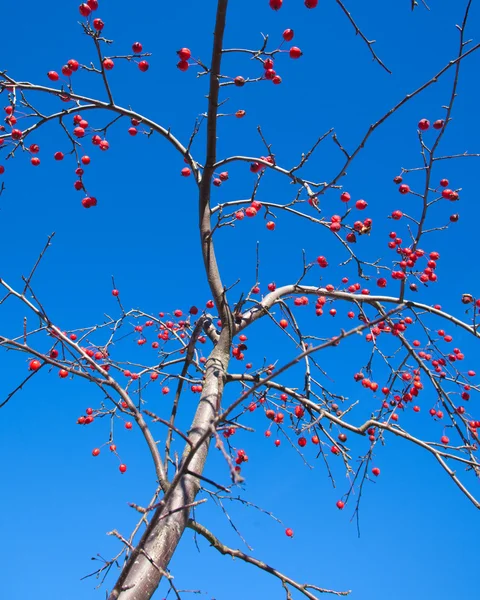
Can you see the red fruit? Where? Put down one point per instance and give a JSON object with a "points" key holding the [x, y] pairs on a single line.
{"points": [[34, 148], [185, 172], [58, 156], [397, 214], [133, 131], [35, 161], [66, 71], [439, 124], [52, 75], [143, 66], [345, 197], [34, 365], [183, 65], [340, 504], [73, 65], [361, 204], [299, 410], [88, 202], [239, 81], [98, 24], [95, 451], [289, 532], [223, 176], [444, 439], [382, 282], [251, 211], [16, 134], [270, 225], [311, 3], [165, 390], [122, 468], [288, 35], [93, 4], [128, 425], [239, 215], [184, 53], [424, 124], [108, 64], [85, 160], [115, 292], [79, 132], [283, 323], [63, 373], [444, 182], [276, 4], [84, 9], [137, 47], [240, 114], [322, 261], [376, 471], [404, 188], [302, 442], [295, 52]]}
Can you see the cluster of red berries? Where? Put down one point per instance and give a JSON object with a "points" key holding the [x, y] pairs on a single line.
{"points": [[86, 9]]}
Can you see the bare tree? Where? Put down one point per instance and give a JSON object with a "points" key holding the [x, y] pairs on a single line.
{"points": [[315, 413]]}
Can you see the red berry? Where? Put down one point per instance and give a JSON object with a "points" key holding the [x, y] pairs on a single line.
{"points": [[295, 52], [137, 47], [424, 124], [98, 24], [108, 64], [185, 172], [95, 451], [270, 225], [276, 4], [288, 35], [404, 188], [73, 65], [58, 156], [340, 504], [289, 532], [84, 9], [376, 471], [311, 3], [143, 66], [283, 323], [122, 468], [184, 54], [345, 197], [34, 365], [93, 4], [182, 65], [360, 204], [439, 124], [52, 75]]}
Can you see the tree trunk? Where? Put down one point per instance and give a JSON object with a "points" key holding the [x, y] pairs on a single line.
{"points": [[149, 560]]}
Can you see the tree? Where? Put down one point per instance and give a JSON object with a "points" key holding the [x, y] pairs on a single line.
{"points": [[362, 307]]}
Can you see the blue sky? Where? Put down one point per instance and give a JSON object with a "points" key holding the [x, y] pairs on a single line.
{"points": [[418, 533]]}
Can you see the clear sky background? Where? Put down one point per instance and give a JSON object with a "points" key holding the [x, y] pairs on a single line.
{"points": [[418, 532]]}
